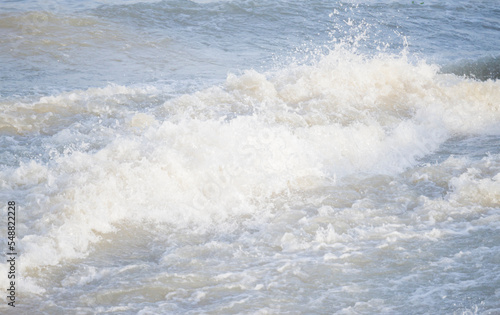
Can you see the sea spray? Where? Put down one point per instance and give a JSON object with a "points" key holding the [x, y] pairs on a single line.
{"points": [[363, 178], [224, 152]]}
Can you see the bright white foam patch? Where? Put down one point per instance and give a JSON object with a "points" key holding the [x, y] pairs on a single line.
{"points": [[227, 153]]}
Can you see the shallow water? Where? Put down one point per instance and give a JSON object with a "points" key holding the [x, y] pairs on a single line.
{"points": [[252, 156]]}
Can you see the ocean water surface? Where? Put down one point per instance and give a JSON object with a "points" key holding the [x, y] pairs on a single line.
{"points": [[251, 157]]}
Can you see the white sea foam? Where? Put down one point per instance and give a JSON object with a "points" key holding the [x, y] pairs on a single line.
{"points": [[228, 152], [51, 113], [324, 159], [360, 178]]}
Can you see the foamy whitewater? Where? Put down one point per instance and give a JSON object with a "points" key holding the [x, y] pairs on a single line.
{"points": [[251, 157]]}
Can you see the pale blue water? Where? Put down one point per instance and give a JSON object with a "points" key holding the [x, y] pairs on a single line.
{"points": [[262, 157], [61, 45]]}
